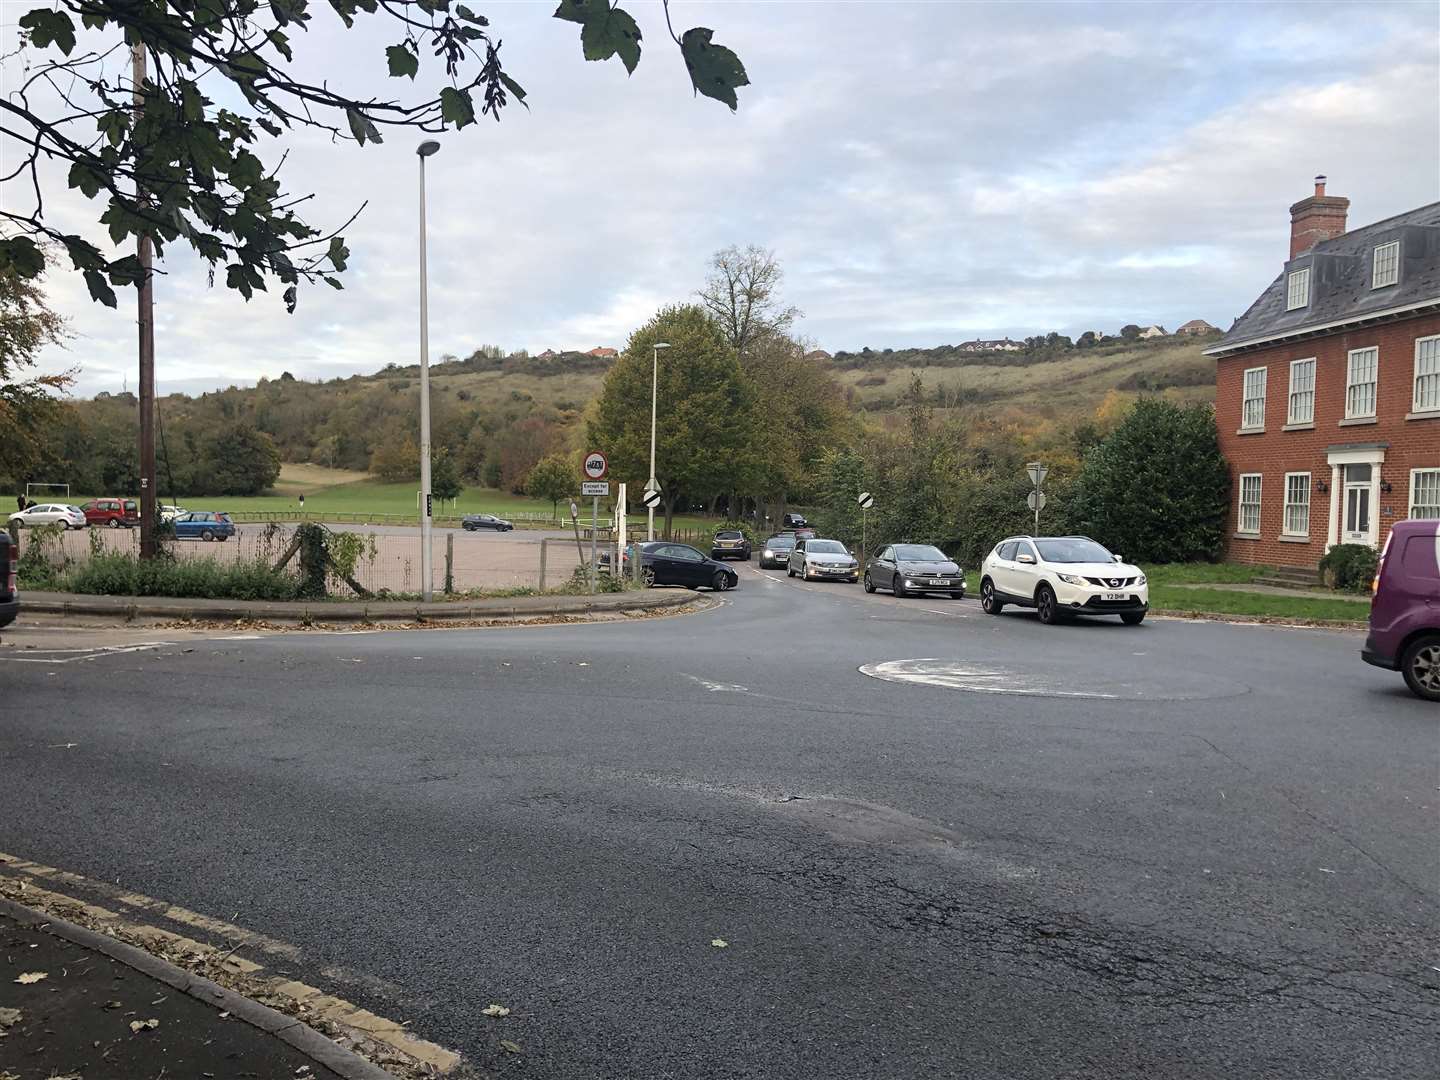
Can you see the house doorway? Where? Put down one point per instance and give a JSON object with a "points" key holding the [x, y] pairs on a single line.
{"points": [[1358, 526]]}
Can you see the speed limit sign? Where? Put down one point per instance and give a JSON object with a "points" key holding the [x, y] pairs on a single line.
{"points": [[596, 465]]}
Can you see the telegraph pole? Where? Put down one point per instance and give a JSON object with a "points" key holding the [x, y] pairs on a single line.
{"points": [[145, 302]]}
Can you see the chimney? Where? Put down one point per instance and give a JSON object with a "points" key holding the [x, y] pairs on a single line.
{"points": [[1320, 217]]}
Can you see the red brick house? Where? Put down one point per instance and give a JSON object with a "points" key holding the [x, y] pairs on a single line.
{"points": [[1327, 390]]}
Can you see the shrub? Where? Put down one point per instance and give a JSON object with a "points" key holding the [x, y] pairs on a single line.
{"points": [[123, 574], [1350, 567]]}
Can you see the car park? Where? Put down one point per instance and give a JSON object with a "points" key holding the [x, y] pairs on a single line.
{"points": [[9, 572], [663, 562], [776, 552], [818, 559], [113, 513], [170, 512], [730, 544], [476, 522], [914, 569], [204, 525], [62, 514], [1061, 576], [1405, 610]]}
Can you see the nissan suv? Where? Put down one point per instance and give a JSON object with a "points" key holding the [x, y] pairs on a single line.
{"points": [[1060, 576]]}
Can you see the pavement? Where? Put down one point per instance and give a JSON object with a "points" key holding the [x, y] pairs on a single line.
{"points": [[806, 833]]}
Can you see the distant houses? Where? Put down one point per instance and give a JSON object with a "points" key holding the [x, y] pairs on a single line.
{"points": [[1196, 328], [818, 356], [1150, 332], [1001, 345]]}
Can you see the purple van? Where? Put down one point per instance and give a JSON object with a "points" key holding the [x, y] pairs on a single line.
{"points": [[1405, 614]]}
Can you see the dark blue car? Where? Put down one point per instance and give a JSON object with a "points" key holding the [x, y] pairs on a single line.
{"points": [[204, 525]]}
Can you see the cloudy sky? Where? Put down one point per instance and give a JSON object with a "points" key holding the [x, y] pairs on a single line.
{"points": [[926, 172]]}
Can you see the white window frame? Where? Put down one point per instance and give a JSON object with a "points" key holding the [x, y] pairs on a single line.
{"points": [[1351, 412], [1297, 289], [1392, 268], [1245, 398], [1291, 416], [1259, 479], [1414, 474], [1432, 401], [1285, 529]]}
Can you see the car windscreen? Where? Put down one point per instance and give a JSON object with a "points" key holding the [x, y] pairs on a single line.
{"points": [[1072, 550], [919, 553], [825, 547], [728, 534], [780, 542]]}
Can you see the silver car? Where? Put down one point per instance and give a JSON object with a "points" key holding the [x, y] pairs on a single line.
{"points": [[63, 514], [814, 559]]}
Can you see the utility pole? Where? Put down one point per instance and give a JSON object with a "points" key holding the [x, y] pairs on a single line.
{"points": [[145, 303], [424, 150]]}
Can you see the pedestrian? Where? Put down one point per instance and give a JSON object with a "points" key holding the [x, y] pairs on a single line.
{"points": [[20, 499]]}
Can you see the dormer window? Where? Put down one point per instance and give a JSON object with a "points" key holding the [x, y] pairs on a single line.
{"points": [[1387, 265], [1297, 290]]}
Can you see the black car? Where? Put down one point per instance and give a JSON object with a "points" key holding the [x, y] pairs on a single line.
{"points": [[665, 563], [794, 521], [9, 591], [475, 522], [730, 544], [775, 555], [914, 569]]}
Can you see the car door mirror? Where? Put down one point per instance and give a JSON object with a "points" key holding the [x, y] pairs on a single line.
{"points": [[1026, 558], [1117, 558]]}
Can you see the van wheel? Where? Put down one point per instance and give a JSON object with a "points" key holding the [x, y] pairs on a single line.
{"points": [[989, 602], [114, 523], [1421, 667]]}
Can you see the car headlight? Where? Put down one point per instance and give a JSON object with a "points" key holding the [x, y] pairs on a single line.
{"points": [[1071, 579], [769, 554], [1141, 580]]}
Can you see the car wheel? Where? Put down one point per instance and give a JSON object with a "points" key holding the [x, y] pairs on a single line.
{"points": [[1421, 667], [1046, 606], [989, 602], [114, 523], [1133, 618], [206, 534], [720, 582], [897, 590], [789, 570], [869, 585], [647, 576]]}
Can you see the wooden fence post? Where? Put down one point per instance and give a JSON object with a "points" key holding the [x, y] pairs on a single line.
{"points": [[544, 541], [449, 563]]}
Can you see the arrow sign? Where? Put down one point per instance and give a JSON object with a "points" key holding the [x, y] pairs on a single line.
{"points": [[866, 500], [1036, 501], [1037, 472], [651, 497]]}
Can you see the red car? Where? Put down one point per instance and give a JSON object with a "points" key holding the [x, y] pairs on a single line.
{"points": [[1405, 613], [112, 512]]}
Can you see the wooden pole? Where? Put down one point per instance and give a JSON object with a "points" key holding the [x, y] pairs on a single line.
{"points": [[544, 542], [145, 303], [449, 562]]}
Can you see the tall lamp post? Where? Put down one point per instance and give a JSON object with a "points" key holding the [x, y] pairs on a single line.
{"points": [[424, 150], [654, 389]]}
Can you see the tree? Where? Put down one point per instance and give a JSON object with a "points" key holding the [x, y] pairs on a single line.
{"points": [[742, 296], [552, 478], [1130, 332], [445, 478], [396, 459], [181, 165], [240, 461], [1157, 489], [28, 406]]}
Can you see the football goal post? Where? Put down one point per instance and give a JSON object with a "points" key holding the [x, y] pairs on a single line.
{"points": [[48, 490]]}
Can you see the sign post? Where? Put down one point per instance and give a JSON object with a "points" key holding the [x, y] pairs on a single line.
{"points": [[866, 501], [1036, 499], [651, 499], [595, 466], [622, 529]]}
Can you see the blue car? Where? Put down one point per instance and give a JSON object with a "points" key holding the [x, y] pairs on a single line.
{"points": [[204, 525]]}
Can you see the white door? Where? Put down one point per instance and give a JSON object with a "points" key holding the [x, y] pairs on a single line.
{"points": [[1358, 526]]}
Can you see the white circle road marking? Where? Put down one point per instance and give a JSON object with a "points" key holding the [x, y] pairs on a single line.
{"points": [[1056, 678], [975, 677]]}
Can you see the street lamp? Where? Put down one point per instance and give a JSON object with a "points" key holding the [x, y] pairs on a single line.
{"points": [[424, 150], [654, 385]]}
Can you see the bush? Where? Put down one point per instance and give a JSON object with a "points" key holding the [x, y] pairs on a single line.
{"points": [[123, 574], [1350, 567]]}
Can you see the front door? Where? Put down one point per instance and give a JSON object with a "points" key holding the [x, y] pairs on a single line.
{"points": [[1359, 524]]}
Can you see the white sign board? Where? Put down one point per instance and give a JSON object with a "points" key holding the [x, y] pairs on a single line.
{"points": [[866, 500], [1035, 500], [595, 487], [596, 465], [1037, 473], [651, 498]]}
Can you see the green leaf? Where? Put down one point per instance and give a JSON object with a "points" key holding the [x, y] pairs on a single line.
{"points": [[403, 63], [338, 252], [466, 15], [85, 178], [456, 107], [192, 102], [246, 170], [362, 127], [83, 254], [715, 71], [581, 11], [291, 299], [334, 283], [237, 279], [46, 27], [21, 255], [516, 90], [100, 288], [609, 33], [92, 20]]}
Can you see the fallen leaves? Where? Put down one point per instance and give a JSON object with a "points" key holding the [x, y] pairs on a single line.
{"points": [[495, 1010], [719, 943], [9, 1017], [28, 977], [510, 1047], [137, 1026]]}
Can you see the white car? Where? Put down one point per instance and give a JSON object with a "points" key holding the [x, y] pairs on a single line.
{"points": [[1061, 576], [72, 517], [170, 513], [822, 560]]}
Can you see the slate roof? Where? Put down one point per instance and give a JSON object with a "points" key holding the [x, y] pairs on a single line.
{"points": [[1340, 276]]}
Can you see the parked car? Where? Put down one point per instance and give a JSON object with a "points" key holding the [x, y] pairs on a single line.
{"points": [[9, 589], [1405, 612], [914, 569], [665, 563], [204, 525], [112, 513], [170, 512], [819, 559], [476, 522], [730, 544], [71, 517], [1061, 576], [776, 552]]}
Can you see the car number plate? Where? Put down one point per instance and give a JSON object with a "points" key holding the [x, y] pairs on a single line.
{"points": [[938, 581], [1115, 596]]}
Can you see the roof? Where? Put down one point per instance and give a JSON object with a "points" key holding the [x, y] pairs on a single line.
{"points": [[1195, 324], [1340, 292]]}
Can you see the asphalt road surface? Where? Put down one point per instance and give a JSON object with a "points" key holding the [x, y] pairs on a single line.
{"points": [[1001, 850]]}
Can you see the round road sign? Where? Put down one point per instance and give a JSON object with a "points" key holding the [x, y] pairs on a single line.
{"points": [[866, 500], [651, 498], [596, 465]]}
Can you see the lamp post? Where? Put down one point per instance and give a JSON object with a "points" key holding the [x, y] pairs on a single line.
{"points": [[424, 150], [654, 390]]}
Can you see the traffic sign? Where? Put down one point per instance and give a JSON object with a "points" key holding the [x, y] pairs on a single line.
{"points": [[1036, 501], [574, 510], [1037, 473], [651, 497], [595, 487], [596, 465], [866, 500]]}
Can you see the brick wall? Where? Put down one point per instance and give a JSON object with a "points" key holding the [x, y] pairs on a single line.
{"points": [[1413, 444]]}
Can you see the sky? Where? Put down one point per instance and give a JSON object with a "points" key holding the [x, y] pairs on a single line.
{"points": [[926, 173]]}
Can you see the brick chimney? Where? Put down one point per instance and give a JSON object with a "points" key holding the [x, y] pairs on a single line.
{"points": [[1320, 217]]}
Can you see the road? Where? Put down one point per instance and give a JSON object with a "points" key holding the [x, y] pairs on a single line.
{"points": [[1181, 850]]}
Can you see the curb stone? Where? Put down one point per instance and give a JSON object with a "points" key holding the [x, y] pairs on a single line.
{"points": [[287, 1029]]}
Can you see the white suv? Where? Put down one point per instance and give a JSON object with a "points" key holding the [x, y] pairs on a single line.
{"points": [[1060, 576]]}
